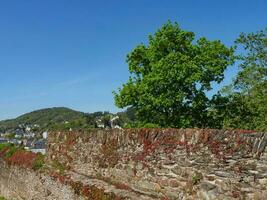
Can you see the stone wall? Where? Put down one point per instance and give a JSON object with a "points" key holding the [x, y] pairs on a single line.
{"points": [[166, 163], [144, 164], [24, 184]]}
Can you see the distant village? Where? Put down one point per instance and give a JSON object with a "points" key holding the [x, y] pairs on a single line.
{"points": [[27, 137], [32, 139]]}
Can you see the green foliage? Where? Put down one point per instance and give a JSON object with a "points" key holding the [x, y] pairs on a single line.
{"points": [[45, 118], [253, 67], [127, 119], [5, 145], [244, 104], [170, 76], [11, 149], [3, 198], [39, 162], [195, 179], [80, 123], [59, 119], [150, 125], [11, 136]]}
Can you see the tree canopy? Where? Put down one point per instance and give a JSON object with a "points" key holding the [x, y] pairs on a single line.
{"points": [[171, 75], [245, 102]]}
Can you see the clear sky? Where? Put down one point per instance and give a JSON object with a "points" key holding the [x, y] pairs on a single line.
{"points": [[72, 52]]}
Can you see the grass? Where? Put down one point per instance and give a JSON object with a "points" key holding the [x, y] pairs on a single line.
{"points": [[3, 198]]}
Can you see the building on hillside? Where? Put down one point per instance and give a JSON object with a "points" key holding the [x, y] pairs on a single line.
{"points": [[3, 140], [45, 135], [100, 124], [15, 141], [28, 143], [39, 146]]}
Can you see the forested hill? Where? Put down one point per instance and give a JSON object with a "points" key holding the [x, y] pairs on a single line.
{"points": [[61, 118], [44, 118]]}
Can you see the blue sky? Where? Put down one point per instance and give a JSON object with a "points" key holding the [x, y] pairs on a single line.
{"points": [[72, 53]]}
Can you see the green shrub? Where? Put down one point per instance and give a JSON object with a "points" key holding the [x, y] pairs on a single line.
{"points": [[4, 145], [196, 178], [39, 162], [150, 125], [12, 149]]}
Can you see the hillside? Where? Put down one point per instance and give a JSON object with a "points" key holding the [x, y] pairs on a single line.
{"points": [[61, 118], [44, 118]]}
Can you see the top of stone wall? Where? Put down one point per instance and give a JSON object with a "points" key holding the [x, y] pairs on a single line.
{"points": [[227, 141]]}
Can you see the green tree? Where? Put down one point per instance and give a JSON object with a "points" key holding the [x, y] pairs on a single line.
{"points": [[247, 96], [253, 66], [171, 75]]}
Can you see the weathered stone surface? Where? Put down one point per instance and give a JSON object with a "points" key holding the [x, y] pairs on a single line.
{"points": [[164, 163], [173, 158], [207, 186], [20, 184]]}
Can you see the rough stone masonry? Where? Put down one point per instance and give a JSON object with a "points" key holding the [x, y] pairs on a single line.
{"points": [[139, 164]]}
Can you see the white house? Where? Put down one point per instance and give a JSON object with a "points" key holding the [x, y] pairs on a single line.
{"points": [[45, 134]]}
